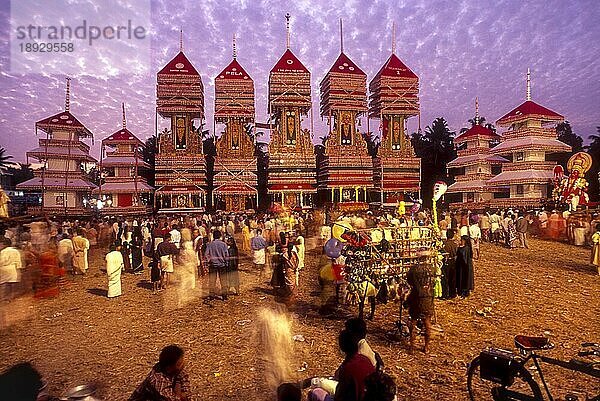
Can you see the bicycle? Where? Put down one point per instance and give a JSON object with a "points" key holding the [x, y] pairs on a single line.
{"points": [[502, 375]]}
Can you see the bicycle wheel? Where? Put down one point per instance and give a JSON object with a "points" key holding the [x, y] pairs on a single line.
{"points": [[524, 387]]}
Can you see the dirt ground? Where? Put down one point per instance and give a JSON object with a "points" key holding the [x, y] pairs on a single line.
{"points": [[83, 336]]}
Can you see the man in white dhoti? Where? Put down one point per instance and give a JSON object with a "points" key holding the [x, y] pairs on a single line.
{"points": [[114, 266]]}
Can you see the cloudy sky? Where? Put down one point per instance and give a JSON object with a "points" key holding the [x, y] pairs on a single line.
{"points": [[459, 50]]}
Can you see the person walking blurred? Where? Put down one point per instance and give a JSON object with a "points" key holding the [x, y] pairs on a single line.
{"points": [[217, 257], [80, 252], [10, 266]]}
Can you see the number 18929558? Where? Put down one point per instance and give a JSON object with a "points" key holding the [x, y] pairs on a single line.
{"points": [[46, 47]]}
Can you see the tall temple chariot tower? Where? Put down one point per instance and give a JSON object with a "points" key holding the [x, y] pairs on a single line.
{"points": [[345, 174], [235, 178], [292, 169], [180, 164], [395, 98]]}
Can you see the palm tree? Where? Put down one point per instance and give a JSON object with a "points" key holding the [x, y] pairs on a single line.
{"points": [[4, 160]]}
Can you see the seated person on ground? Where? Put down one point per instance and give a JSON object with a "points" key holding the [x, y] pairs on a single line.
{"points": [[167, 381]]}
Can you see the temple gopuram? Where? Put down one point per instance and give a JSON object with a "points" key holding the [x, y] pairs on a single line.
{"points": [[62, 181], [478, 165], [180, 164], [531, 136], [235, 178], [345, 173], [395, 98], [292, 167], [122, 190]]}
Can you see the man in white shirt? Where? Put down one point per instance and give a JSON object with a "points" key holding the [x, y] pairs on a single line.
{"points": [[10, 264], [175, 236]]}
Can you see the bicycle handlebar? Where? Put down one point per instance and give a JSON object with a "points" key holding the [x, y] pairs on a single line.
{"points": [[589, 353]]}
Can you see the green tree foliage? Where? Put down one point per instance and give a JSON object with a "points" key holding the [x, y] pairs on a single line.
{"points": [[435, 147], [4, 160]]}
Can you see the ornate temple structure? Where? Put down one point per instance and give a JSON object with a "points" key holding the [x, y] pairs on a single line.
{"points": [[530, 138], [478, 165], [292, 168], [122, 190], [180, 164], [235, 179], [345, 173], [395, 98], [62, 181]]}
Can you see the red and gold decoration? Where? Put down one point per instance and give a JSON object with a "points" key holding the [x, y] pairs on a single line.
{"points": [[572, 190], [345, 173], [395, 98], [530, 137], [122, 189], [474, 155], [292, 175], [62, 182], [180, 161], [235, 177]]}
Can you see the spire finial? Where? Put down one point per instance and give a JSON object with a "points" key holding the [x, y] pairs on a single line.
{"points": [[68, 97], [528, 84], [234, 47], [287, 29], [124, 121], [341, 36], [476, 110], [394, 37], [181, 40]]}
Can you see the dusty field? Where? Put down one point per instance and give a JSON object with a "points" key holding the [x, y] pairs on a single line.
{"points": [[82, 336]]}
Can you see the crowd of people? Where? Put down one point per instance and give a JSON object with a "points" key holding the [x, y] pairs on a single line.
{"points": [[206, 250]]}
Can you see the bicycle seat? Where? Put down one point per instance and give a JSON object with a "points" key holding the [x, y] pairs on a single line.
{"points": [[527, 343]]}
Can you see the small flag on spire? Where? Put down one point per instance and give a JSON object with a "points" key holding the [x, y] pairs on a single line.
{"points": [[68, 97]]}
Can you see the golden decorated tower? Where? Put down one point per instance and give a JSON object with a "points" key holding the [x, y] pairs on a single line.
{"points": [[292, 169], [180, 165], [395, 98], [235, 178], [345, 174]]}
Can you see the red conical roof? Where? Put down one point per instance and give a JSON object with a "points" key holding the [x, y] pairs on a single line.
{"points": [[531, 109], [123, 135], [234, 71], [64, 119], [289, 63], [394, 67], [179, 65], [476, 130], [343, 64]]}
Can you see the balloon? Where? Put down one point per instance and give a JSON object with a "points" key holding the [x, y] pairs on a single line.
{"points": [[339, 228], [439, 189], [333, 248]]}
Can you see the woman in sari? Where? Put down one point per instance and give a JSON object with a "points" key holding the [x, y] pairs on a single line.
{"points": [[465, 280], [136, 244], [114, 265], [290, 261], [233, 272], [246, 237], [596, 248]]}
